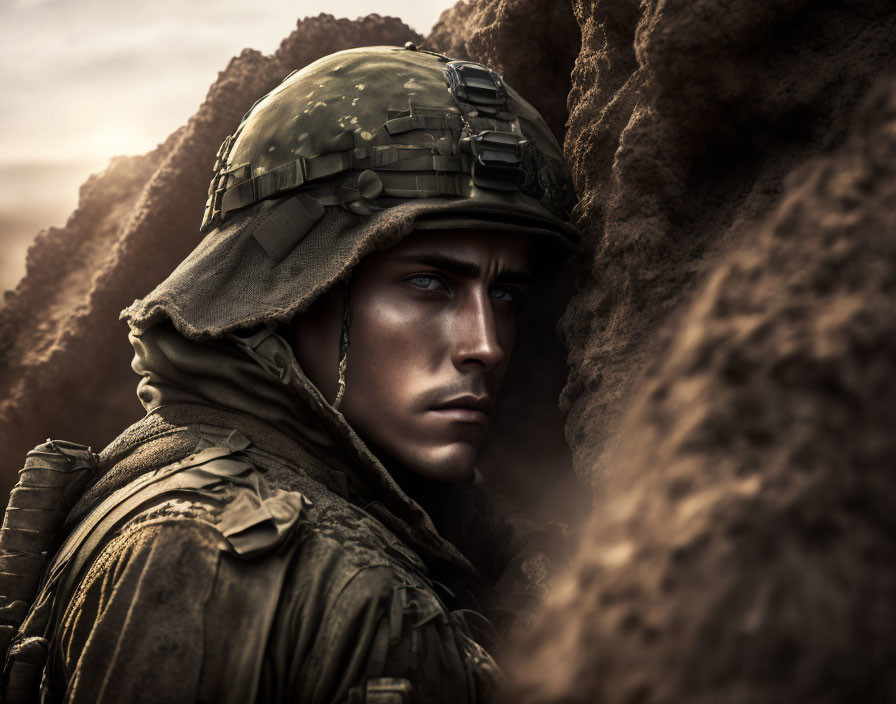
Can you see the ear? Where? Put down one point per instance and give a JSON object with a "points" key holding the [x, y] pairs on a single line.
{"points": [[314, 336]]}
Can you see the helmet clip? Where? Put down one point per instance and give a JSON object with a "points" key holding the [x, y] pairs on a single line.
{"points": [[497, 158], [474, 83]]}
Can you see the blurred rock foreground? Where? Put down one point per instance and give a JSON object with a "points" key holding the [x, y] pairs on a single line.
{"points": [[732, 346]]}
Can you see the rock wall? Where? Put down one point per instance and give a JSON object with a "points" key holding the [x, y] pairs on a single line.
{"points": [[745, 552], [733, 359], [685, 119]]}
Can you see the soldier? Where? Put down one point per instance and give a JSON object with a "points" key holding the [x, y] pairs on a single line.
{"points": [[298, 516]]}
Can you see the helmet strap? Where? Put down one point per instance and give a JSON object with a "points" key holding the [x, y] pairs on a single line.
{"points": [[343, 342]]}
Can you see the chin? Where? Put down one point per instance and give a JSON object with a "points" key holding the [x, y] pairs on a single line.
{"points": [[451, 464]]}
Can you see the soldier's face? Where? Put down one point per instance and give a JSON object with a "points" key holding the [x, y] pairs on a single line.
{"points": [[433, 323]]}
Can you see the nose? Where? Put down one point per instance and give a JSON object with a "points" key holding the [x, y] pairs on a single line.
{"points": [[476, 340]]}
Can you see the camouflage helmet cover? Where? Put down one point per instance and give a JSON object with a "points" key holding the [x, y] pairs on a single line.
{"points": [[348, 155], [367, 129]]}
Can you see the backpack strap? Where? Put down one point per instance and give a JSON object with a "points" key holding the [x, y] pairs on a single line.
{"points": [[253, 520], [53, 477]]}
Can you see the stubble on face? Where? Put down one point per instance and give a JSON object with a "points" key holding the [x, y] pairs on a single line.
{"points": [[433, 323]]}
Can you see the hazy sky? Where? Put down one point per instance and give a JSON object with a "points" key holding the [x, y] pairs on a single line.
{"points": [[84, 80]]}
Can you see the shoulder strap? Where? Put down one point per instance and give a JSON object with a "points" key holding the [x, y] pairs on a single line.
{"points": [[84, 541], [255, 518], [54, 475], [251, 518]]}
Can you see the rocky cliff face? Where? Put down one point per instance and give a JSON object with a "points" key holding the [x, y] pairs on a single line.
{"points": [[731, 346], [744, 551], [733, 354], [686, 119]]}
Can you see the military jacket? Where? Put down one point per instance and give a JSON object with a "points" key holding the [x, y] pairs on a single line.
{"points": [[241, 543], [235, 576]]}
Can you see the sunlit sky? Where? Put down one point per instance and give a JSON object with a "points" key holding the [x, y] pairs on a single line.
{"points": [[84, 80]]}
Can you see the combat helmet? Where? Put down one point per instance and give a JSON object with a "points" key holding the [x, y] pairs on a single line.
{"points": [[372, 128], [351, 154]]}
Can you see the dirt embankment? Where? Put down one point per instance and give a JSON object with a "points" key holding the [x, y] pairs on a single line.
{"points": [[65, 369], [744, 551], [732, 348], [733, 359], [686, 119]]}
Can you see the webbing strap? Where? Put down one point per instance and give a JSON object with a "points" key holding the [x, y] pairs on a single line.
{"points": [[88, 535], [285, 177], [382, 159], [399, 185], [445, 121]]}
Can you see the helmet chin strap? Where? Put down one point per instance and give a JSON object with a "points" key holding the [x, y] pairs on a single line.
{"points": [[343, 342]]}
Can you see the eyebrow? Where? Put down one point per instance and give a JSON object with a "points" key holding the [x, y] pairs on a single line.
{"points": [[467, 270]]}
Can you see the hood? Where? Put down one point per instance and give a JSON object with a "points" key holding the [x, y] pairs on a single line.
{"points": [[258, 376], [229, 287]]}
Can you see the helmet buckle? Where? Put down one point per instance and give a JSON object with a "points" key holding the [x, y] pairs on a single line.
{"points": [[497, 158], [473, 83]]}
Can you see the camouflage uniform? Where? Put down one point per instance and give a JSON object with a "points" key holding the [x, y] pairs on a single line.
{"points": [[241, 543]]}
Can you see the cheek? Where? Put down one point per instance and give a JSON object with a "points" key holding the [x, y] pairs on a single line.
{"points": [[405, 332], [391, 351], [507, 334]]}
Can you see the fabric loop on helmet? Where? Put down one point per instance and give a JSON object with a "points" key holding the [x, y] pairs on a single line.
{"points": [[445, 121], [430, 127], [288, 176], [303, 170], [288, 225]]}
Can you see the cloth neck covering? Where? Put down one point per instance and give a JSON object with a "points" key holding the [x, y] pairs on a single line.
{"points": [[258, 375]]}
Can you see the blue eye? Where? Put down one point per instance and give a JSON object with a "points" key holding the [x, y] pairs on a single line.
{"points": [[427, 283], [503, 294]]}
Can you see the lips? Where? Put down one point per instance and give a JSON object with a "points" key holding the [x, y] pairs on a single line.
{"points": [[465, 409]]}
